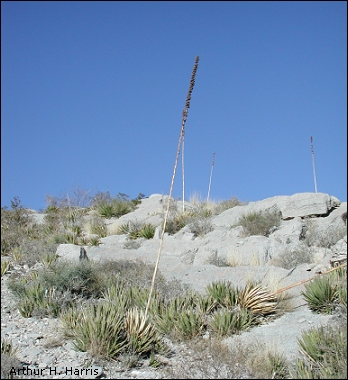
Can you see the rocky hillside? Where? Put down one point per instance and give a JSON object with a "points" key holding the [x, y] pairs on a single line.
{"points": [[283, 241]]}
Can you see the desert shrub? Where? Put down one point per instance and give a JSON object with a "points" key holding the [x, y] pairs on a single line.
{"points": [[17, 225], [322, 237], [292, 257], [226, 205], [259, 223], [214, 259], [81, 279], [137, 273], [197, 219], [56, 286], [77, 197], [64, 225], [324, 352], [200, 226]]}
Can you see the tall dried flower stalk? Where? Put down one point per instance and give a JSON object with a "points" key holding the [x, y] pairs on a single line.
{"points": [[183, 172], [181, 137], [314, 175], [211, 174]]}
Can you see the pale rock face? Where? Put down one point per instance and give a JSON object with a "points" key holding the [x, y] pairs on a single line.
{"points": [[305, 216], [297, 205]]}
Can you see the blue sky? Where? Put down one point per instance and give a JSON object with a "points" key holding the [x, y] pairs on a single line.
{"points": [[92, 95]]}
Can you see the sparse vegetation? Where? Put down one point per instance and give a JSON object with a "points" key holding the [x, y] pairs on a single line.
{"points": [[292, 257], [136, 230], [259, 223], [320, 237], [101, 306]]}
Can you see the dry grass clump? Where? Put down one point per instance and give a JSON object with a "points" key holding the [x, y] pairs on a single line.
{"points": [[214, 207], [213, 359], [292, 257], [259, 223]]}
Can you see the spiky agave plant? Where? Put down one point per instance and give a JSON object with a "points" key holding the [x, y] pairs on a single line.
{"points": [[257, 299]]}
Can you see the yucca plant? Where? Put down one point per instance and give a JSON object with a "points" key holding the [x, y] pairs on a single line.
{"points": [[5, 265], [142, 335], [324, 352], [278, 366], [99, 228], [165, 319], [68, 321], [123, 229], [167, 313], [227, 322], [106, 210], [26, 307], [257, 299], [321, 294], [206, 303], [147, 231], [189, 323], [100, 331], [48, 259], [94, 241], [223, 292]]}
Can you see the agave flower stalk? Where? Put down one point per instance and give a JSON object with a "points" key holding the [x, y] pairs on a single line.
{"points": [[313, 165], [183, 173], [181, 137], [211, 174]]}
